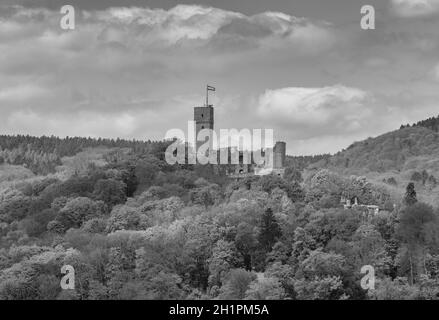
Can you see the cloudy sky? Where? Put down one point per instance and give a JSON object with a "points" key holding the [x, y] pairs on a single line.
{"points": [[136, 68]]}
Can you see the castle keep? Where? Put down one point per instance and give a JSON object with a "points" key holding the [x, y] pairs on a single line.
{"points": [[203, 117]]}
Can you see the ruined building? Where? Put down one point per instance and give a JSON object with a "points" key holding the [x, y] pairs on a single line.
{"points": [[204, 119]]}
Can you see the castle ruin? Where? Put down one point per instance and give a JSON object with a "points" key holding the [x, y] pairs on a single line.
{"points": [[204, 119]]}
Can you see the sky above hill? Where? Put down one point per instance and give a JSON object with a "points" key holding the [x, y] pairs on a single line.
{"points": [[136, 68]]}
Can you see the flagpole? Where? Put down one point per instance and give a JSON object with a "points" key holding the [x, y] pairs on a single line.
{"points": [[207, 95]]}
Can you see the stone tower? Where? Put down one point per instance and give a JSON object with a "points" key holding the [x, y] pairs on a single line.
{"points": [[204, 119], [279, 153]]}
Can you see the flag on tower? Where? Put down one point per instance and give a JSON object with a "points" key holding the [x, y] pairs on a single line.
{"points": [[209, 88]]}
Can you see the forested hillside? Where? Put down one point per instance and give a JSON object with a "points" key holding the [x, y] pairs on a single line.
{"points": [[392, 151], [42, 155], [134, 227], [430, 123], [410, 154]]}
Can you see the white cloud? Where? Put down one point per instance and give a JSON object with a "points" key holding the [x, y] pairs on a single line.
{"points": [[179, 23], [414, 8], [313, 106], [145, 27]]}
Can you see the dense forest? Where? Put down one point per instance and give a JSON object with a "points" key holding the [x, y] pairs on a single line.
{"points": [[43, 154], [134, 227]]}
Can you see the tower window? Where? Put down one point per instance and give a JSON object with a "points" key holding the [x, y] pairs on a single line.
{"points": [[202, 115], [202, 127]]}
